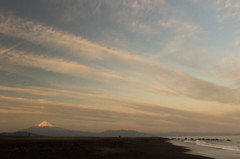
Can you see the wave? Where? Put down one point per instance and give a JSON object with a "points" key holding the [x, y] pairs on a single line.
{"points": [[218, 146]]}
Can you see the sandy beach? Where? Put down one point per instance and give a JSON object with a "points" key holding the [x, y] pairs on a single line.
{"points": [[90, 148]]}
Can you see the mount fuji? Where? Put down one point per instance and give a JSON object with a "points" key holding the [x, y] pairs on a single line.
{"points": [[44, 124], [47, 129]]}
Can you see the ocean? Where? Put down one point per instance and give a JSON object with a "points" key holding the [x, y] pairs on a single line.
{"points": [[218, 147]]}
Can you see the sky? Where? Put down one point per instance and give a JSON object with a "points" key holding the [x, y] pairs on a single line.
{"points": [[146, 65]]}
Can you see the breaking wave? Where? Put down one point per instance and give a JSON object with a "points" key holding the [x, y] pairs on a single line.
{"points": [[218, 146]]}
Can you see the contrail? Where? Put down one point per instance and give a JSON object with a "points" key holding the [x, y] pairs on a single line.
{"points": [[9, 49]]}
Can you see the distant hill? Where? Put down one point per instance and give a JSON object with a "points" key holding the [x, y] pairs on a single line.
{"points": [[18, 133], [47, 129], [123, 133], [56, 131]]}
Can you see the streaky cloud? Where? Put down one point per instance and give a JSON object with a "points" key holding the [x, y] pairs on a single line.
{"points": [[176, 80]]}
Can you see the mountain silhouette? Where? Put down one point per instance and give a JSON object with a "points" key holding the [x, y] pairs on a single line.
{"points": [[18, 133], [47, 129]]}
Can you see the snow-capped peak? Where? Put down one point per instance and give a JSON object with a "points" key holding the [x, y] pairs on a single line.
{"points": [[45, 124]]}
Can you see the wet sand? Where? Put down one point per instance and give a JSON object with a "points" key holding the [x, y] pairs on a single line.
{"points": [[216, 153], [91, 148]]}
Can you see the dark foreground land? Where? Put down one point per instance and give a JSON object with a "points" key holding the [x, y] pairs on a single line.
{"points": [[90, 148]]}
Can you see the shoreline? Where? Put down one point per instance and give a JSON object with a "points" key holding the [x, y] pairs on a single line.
{"points": [[90, 148], [212, 152]]}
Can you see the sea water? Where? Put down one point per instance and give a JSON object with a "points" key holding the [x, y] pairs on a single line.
{"points": [[219, 147]]}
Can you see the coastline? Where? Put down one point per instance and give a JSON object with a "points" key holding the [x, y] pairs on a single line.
{"points": [[92, 147], [216, 153]]}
